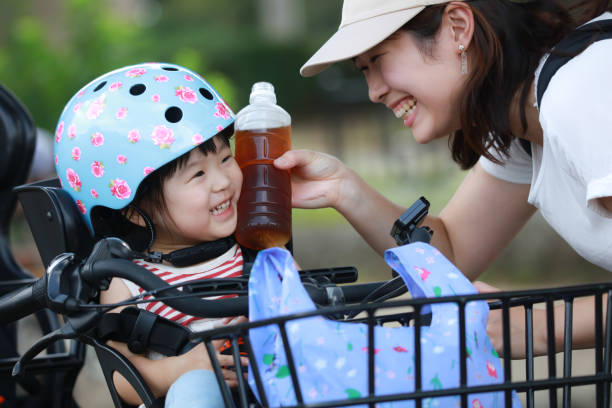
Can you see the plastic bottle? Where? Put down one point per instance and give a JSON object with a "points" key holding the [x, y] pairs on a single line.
{"points": [[263, 133]]}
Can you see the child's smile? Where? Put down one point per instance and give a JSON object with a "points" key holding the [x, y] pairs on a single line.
{"points": [[220, 209]]}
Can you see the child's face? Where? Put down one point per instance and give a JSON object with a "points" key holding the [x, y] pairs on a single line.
{"points": [[201, 198]]}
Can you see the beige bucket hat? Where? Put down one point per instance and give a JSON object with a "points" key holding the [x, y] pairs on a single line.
{"points": [[364, 24]]}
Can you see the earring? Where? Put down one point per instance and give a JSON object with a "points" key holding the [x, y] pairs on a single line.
{"points": [[463, 59]]}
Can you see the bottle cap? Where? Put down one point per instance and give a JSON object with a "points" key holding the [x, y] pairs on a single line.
{"points": [[262, 92]]}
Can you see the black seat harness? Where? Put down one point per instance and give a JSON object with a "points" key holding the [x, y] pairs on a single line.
{"points": [[144, 331], [573, 44]]}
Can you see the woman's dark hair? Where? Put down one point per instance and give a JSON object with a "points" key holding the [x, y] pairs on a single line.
{"points": [[108, 222], [509, 40]]}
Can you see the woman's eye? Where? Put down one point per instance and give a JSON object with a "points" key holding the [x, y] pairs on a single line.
{"points": [[375, 58]]}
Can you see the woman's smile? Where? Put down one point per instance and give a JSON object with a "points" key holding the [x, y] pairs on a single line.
{"points": [[406, 110]]}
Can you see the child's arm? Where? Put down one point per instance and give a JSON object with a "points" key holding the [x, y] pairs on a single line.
{"points": [[159, 374]]}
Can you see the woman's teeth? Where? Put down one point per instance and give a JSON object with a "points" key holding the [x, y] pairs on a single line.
{"points": [[220, 208], [405, 109]]}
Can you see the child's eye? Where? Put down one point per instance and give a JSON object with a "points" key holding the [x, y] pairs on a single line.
{"points": [[198, 174], [226, 158]]}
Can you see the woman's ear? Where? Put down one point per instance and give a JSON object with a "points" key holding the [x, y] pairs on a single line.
{"points": [[458, 20]]}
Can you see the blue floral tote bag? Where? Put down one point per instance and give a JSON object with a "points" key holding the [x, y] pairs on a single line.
{"points": [[331, 357]]}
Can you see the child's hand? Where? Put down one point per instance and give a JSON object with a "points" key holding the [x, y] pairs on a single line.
{"points": [[517, 328], [198, 357], [235, 320]]}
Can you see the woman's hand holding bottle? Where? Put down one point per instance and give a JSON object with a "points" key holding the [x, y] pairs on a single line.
{"points": [[318, 180]]}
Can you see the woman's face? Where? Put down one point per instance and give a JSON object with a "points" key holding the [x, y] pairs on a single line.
{"points": [[422, 90]]}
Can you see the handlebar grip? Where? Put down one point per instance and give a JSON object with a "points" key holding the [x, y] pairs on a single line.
{"points": [[24, 301]]}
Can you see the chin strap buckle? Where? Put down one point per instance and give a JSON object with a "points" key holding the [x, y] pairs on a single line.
{"points": [[155, 257]]}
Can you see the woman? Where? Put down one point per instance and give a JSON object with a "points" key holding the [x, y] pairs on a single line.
{"points": [[467, 71]]}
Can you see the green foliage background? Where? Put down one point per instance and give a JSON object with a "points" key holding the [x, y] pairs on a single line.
{"points": [[49, 49]]}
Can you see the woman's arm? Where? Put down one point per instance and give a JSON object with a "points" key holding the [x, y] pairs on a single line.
{"points": [[480, 220], [158, 374], [482, 217], [583, 326]]}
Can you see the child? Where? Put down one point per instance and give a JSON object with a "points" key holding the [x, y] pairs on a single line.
{"points": [[144, 152]]}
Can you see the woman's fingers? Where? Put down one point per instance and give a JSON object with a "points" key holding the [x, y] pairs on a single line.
{"points": [[308, 164], [294, 158], [315, 177]]}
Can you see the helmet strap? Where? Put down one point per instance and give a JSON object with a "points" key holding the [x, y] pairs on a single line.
{"points": [[148, 224], [185, 256]]}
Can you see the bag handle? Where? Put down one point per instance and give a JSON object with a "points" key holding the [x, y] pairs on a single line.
{"points": [[275, 277], [427, 273], [424, 269]]}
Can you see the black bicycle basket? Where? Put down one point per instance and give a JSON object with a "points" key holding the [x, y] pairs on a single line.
{"points": [[546, 380]]}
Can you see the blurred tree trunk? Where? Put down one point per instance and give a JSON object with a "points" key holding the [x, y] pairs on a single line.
{"points": [[281, 20]]}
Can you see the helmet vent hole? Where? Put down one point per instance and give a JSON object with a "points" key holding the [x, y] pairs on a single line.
{"points": [[170, 68], [100, 86], [137, 89], [174, 114], [206, 93]]}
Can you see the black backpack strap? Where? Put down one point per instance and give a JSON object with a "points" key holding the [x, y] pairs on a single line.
{"points": [[526, 145], [248, 258], [249, 255], [142, 330], [572, 45]]}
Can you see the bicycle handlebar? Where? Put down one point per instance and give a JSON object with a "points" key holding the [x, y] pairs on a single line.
{"points": [[321, 295], [68, 285], [23, 301]]}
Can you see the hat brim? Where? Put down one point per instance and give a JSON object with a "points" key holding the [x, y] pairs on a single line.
{"points": [[356, 38]]}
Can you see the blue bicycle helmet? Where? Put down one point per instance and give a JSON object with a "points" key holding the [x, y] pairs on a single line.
{"points": [[126, 124]]}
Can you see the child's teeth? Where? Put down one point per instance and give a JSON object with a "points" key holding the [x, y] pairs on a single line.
{"points": [[220, 208]]}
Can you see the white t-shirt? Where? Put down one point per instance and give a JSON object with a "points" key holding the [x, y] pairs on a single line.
{"points": [[573, 168]]}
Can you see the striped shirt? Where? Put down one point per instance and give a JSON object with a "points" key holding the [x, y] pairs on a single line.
{"points": [[228, 265]]}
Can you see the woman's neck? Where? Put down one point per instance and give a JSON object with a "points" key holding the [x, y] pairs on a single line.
{"points": [[533, 133]]}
